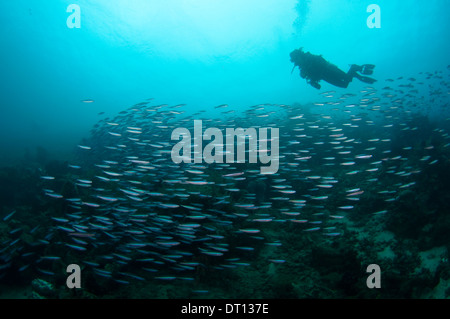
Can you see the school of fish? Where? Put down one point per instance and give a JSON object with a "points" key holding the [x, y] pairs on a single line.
{"points": [[127, 213]]}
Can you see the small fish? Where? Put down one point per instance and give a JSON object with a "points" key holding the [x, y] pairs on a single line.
{"points": [[165, 278], [50, 178], [250, 231], [277, 261], [312, 229], [9, 216]]}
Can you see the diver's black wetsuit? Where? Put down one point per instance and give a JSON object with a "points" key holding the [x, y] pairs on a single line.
{"points": [[315, 68]]}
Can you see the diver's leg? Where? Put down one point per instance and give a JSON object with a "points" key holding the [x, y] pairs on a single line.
{"points": [[342, 83], [337, 77], [345, 78], [365, 69], [353, 69]]}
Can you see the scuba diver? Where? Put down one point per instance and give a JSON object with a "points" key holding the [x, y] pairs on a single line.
{"points": [[314, 68]]}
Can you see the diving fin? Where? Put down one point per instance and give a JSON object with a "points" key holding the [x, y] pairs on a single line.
{"points": [[366, 79], [367, 69]]}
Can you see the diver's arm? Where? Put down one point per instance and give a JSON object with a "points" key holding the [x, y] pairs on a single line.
{"points": [[303, 73], [314, 84], [312, 69]]}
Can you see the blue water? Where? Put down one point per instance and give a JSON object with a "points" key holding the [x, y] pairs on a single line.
{"points": [[202, 53]]}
